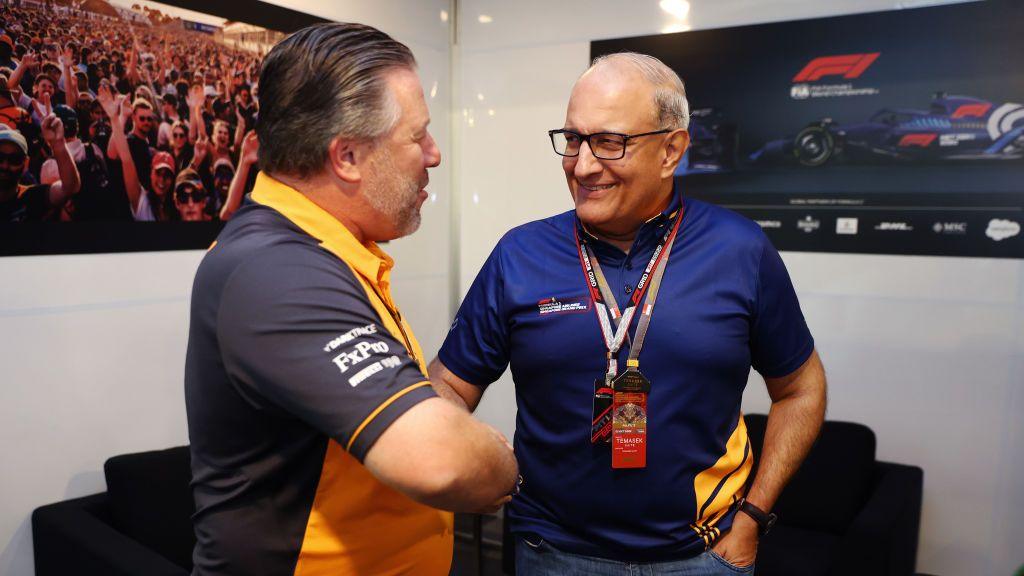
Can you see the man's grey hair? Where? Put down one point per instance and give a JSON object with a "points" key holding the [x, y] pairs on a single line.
{"points": [[669, 92], [322, 82]]}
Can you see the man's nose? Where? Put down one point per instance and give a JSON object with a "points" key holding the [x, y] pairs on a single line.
{"points": [[431, 153], [586, 162]]}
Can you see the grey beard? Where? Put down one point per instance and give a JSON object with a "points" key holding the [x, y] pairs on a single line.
{"points": [[393, 195]]}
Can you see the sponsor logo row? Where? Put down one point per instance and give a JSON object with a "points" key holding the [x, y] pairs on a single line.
{"points": [[997, 229]]}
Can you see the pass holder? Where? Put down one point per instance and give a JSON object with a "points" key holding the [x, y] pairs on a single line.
{"points": [[601, 423], [629, 419]]}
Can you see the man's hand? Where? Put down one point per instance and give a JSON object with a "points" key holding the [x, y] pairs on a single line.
{"points": [[505, 499], [201, 149], [43, 107], [195, 97], [439, 455], [738, 546], [126, 109], [250, 148], [107, 101], [52, 131]]}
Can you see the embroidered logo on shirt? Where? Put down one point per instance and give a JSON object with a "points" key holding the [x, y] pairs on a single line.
{"points": [[350, 336], [361, 351], [372, 369], [561, 305]]}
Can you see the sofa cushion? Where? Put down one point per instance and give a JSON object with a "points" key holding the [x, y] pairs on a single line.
{"points": [[834, 481], [789, 551], [151, 501]]}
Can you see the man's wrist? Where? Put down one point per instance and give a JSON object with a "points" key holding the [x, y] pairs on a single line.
{"points": [[763, 520], [744, 523]]}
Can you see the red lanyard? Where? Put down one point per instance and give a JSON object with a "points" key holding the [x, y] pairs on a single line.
{"points": [[607, 309]]}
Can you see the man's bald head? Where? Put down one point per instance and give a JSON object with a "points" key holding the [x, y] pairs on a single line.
{"points": [[670, 107]]}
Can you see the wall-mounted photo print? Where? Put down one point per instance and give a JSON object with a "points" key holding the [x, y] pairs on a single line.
{"points": [[898, 132], [127, 125]]}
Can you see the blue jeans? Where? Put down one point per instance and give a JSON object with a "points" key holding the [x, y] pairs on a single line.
{"points": [[535, 557]]}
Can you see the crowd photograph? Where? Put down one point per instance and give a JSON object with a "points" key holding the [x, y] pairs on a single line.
{"points": [[125, 112]]}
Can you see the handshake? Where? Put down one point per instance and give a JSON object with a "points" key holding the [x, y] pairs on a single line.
{"points": [[439, 455]]}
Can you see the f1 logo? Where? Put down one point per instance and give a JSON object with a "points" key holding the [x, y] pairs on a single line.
{"points": [[922, 140], [971, 110], [847, 66]]}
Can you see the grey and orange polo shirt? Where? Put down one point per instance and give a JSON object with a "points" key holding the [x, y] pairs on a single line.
{"points": [[296, 364]]}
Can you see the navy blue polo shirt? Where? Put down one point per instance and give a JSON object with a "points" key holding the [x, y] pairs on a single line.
{"points": [[726, 304]]}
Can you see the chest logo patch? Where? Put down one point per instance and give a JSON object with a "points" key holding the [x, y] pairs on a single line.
{"points": [[563, 305]]}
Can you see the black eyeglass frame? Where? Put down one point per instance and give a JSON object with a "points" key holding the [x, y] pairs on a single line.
{"points": [[586, 138]]}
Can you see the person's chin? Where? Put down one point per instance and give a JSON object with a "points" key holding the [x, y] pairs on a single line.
{"points": [[411, 223], [594, 213]]}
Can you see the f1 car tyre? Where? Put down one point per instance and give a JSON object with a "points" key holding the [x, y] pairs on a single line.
{"points": [[813, 146]]}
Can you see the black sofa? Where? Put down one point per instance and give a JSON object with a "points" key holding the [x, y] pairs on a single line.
{"points": [[141, 525], [843, 513]]}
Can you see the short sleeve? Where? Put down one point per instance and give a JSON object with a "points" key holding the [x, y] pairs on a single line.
{"points": [[477, 346], [144, 211], [780, 340], [296, 330]]}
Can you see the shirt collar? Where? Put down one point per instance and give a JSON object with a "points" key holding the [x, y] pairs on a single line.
{"points": [[367, 259], [654, 223]]}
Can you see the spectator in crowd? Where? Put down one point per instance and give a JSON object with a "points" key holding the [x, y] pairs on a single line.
{"points": [[169, 115], [190, 197], [247, 159], [21, 203], [143, 123], [7, 52], [179, 146], [223, 174]]}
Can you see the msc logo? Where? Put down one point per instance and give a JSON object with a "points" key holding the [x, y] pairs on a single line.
{"points": [[950, 228], [848, 66]]}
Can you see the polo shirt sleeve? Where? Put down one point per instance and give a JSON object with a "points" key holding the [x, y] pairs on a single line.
{"points": [[299, 338], [780, 339], [477, 346]]}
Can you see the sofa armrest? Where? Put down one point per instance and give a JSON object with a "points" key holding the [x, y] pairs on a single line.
{"points": [[882, 540], [72, 537]]}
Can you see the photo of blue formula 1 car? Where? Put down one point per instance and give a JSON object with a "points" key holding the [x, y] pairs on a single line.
{"points": [[952, 128], [714, 144]]}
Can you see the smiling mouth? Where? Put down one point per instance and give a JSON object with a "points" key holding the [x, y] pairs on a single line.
{"points": [[595, 187]]}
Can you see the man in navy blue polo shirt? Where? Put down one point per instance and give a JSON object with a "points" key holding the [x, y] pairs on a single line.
{"points": [[630, 325]]}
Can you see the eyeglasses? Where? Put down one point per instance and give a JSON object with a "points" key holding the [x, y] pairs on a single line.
{"points": [[12, 159], [146, 118], [603, 145], [183, 195], [178, 134]]}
